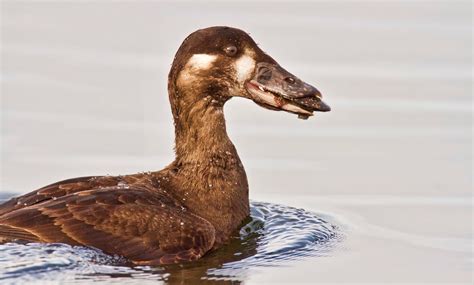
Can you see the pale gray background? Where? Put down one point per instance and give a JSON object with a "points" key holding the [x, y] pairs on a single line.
{"points": [[84, 93]]}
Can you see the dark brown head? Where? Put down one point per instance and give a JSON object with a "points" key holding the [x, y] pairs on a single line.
{"points": [[223, 62]]}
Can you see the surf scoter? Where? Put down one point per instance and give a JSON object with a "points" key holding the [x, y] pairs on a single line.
{"points": [[193, 205]]}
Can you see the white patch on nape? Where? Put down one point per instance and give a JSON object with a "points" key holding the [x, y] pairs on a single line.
{"points": [[244, 67], [201, 61]]}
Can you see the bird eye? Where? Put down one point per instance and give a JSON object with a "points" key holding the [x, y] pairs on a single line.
{"points": [[230, 50]]}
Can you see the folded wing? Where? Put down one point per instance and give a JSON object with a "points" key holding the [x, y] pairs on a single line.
{"points": [[146, 226]]}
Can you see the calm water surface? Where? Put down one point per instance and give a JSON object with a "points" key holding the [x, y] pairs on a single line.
{"points": [[84, 93]]}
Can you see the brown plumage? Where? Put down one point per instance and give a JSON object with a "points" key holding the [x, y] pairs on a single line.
{"points": [[197, 202]]}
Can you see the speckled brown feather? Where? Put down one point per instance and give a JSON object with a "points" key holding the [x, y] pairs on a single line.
{"points": [[57, 189], [147, 227]]}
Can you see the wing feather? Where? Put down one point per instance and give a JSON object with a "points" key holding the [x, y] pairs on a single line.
{"points": [[56, 190], [146, 226]]}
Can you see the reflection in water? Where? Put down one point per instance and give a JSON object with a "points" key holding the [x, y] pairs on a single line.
{"points": [[273, 235]]}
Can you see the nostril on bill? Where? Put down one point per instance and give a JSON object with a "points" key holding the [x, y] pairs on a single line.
{"points": [[290, 80]]}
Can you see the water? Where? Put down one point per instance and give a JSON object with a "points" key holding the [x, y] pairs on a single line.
{"points": [[84, 93], [274, 236]]}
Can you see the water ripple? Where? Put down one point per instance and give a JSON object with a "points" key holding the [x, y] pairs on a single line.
{"points": [[274, 235]]}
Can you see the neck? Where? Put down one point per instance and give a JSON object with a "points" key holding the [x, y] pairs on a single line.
{"points": [[209, 177], [201, 131]]}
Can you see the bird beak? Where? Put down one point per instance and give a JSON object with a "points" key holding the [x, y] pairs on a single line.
{"points": [[275, 88]]}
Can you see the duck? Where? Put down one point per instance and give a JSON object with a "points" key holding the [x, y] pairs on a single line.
{"points": [[199, 201]]}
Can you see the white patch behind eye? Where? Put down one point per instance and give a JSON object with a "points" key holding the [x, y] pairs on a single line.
{"points": [[201, 61], [244, 67]]}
